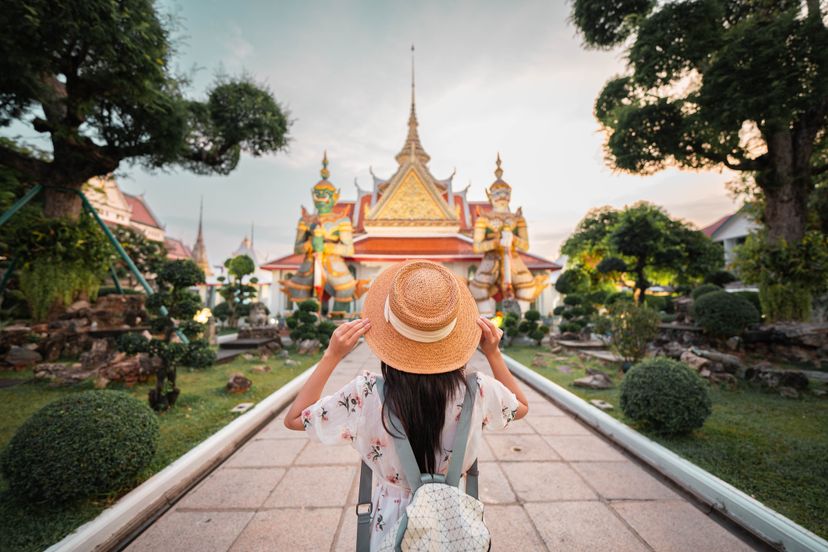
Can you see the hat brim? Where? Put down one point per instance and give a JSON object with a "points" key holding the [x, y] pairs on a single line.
{"points": [[407, 355]]}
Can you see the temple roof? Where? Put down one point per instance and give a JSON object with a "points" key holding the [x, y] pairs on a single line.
{"points": [[176, 249], [141, 213]]}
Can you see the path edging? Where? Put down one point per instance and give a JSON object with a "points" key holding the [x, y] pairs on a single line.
{"points": [[160, 491], [767, 524]]}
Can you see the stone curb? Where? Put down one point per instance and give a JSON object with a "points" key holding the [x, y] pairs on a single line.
{"points": [[126, 518], [767, 524]]}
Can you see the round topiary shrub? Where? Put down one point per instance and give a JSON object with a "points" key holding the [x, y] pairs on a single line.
{"points": [[724, 314], [85, 444], [704, 289], [665, 395]]}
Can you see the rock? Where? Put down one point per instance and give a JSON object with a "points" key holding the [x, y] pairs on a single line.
{"points": [[539, 362], [734, 343], [283, 354], [772, 379], [673, 349], [62, 372], [309, 346], [564, 369], [524, 341], [78, 306], [555, 348], [21, 358], [261, 369], [695, 362], [725, 378], [819, 392], [242, 407], [603, 405], [129, 369], [789, 392], [247, 356], [291, 362], [704, 372], [569, 336], [594, 381], [238, 383], [101, 353], [264, 358]]}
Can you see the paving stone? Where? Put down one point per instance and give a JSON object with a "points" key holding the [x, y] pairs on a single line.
{"points": [[623, 480], [511, 529], [582, 527], [518, 427], [580, 448], [346, 539], [277, 430], [202, 531], [485, 454], [557, 425], [317, 454], [289, 529], [233, 488], [520, 447], [677, 525], [266, 453], [313, 486], [492, 485], [545, 481], [542, 407]]}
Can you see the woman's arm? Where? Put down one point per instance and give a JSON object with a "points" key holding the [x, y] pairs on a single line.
{"points": [[489, 341], [342, 341]]}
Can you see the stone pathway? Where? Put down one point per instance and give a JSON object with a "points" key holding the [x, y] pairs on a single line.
{"points": [[548, 482]]}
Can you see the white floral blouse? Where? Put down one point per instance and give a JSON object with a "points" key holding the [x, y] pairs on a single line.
{"points": [[352, 416]]}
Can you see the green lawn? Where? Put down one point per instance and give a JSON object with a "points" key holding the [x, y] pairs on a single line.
{"points": [[202, 409], [772, 448]]}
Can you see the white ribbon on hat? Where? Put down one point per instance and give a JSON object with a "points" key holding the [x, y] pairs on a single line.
{"points": [[423, 336]]}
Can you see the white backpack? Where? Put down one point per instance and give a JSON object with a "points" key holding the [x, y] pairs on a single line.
{"points": [[440, 517]]}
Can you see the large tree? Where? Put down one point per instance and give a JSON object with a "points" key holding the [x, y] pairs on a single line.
{"points": [[741, 84], [94, 76], [644, 243]]}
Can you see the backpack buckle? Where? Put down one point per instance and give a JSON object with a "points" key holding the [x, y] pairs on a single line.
{"points": [[363, 512]]}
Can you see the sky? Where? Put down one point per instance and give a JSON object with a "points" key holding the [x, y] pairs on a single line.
{"points": [[491, 76]]}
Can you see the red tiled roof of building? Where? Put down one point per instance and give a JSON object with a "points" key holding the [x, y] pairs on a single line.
{"points": [[435, 248], [141, 212], [711, 229], [176, 249]]}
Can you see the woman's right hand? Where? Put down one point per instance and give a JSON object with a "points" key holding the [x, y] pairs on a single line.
{"points": [[490, 336], [345, 337]]}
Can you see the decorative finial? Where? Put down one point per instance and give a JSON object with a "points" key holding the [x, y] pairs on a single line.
{"points": [[325, 172], [498, 170], [412, 74]]}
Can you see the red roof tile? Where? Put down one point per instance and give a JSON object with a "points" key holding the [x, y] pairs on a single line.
{"points": [[711, 229], [141, 212], [176, 249]]}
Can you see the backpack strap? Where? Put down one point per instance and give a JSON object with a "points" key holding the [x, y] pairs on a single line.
{"points": [[404, 451], [461, 438], [364, 509]]}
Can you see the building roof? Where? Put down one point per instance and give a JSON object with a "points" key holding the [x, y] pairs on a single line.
{"points": [[141, 213], [711, 229], [176, 249], [440, 248]]}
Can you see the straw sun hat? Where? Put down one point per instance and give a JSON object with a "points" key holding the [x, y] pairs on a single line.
{"points": [[423, 318]]}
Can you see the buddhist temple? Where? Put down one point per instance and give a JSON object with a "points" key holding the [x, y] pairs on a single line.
{"points": [[410, 214]]}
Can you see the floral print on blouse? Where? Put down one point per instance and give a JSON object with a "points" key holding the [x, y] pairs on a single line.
{"points": [[352, 416]]}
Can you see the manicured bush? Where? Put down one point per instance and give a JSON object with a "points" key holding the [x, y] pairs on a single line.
{"points": [[703, 289], [619, 297], [633, 327], [753, 297], [532, 315], [559, 310], [85, 444], [724, 314], [720, 278], [665, 395], [573, 299]]}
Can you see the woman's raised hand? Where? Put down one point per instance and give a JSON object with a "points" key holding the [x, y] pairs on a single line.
{"points": [[345, 337], [490, 336]]}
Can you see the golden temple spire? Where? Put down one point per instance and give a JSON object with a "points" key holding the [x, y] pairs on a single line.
{"points": [[325, 173], [199, 249], [413, 149], [498, 170], [499, 183]]}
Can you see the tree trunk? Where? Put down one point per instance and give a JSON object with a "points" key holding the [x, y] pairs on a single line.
{"points": [[787, 184], [60, 203]]}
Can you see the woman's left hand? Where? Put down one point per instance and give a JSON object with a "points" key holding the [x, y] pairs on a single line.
{"points": [[345, 337]]}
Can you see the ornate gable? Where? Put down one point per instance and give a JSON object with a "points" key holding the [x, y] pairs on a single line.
{"points": [[411, 200]]}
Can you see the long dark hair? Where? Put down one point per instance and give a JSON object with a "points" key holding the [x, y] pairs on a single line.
{"points": [[420, 401]]}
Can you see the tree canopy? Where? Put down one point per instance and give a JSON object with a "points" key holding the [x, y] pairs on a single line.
{"points": [[96, 78], [718, 83], [645, 243]]}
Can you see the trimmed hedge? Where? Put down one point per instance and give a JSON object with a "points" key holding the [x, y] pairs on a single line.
{"points": [[704, 289], [724, 314], [85, 444], [665, 395]]}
